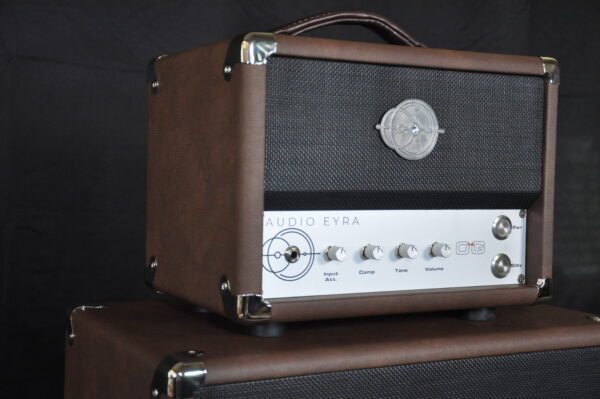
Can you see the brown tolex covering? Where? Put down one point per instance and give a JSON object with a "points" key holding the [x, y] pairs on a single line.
{"points": [[205, 176], [540, 217], [116, 349], [309, 47]]}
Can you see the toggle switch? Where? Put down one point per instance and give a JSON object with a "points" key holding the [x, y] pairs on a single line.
{"points": [[439, 249], [370, 251], [501, 265], [407, 251], [501, 227], [336, 253]]}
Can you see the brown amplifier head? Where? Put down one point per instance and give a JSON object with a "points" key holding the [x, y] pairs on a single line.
{"points": [[274, 122]]}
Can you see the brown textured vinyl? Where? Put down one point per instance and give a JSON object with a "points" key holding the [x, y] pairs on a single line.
{"points": [[356, 305], [540, 216], [117, 348], [410, 56], [205, 176]]}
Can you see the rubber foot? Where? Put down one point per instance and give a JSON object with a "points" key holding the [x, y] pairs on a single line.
{"points": [[267, 330], [479, 314]]}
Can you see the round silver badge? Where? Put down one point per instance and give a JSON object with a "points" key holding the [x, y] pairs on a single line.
{"points": [[411, 129]]}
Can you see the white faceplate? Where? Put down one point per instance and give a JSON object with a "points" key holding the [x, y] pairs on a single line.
{"points": [[468, 233]]}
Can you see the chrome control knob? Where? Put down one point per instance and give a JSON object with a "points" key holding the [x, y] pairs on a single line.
{"points": [[407, 251], [370, 251], [501, 227], [336, 253], [439, 249], [501, 265]]}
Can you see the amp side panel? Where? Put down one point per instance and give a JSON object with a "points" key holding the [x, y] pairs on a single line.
{"points": [[541, 214], [204, 190]]}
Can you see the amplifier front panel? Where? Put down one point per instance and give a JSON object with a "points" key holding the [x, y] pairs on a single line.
{"points": [[311, 253]]}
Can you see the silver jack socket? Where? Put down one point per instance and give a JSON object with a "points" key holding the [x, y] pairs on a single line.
{"points": [[292, 254]]}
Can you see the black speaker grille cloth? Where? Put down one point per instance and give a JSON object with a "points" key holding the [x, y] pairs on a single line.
{"points": [[324, 152], [572, 373]]}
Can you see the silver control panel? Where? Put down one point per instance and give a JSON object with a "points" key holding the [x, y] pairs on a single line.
{"points": [[311, 253]]}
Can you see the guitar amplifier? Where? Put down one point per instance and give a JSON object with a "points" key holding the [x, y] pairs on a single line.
{"points": [[294, 178]]}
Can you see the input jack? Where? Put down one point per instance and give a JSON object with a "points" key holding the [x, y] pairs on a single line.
{"points": [[292, 254]]}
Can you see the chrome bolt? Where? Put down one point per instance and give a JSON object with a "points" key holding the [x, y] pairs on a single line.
{"points": [[521, 279], [195, 353], [227, 69], [594, 318], [522, 213], [155, 393]]}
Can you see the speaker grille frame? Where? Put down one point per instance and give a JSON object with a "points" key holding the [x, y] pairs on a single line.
{"points": [[322, 150]]}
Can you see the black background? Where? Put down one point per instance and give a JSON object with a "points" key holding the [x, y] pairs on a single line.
{"points": [[73, 142]]}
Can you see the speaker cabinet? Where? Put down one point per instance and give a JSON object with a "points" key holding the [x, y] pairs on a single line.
{"points": [[139, 350]]}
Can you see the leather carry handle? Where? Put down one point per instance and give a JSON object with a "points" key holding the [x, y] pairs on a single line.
{"points": [[381, 25]]}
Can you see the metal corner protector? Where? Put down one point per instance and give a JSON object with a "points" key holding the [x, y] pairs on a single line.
{"points": [[544, 286], [152, 74], [253, 48], [551, 70], [244, 308], [257, 47], [150, 273], [71, 326], [179, 375]]}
